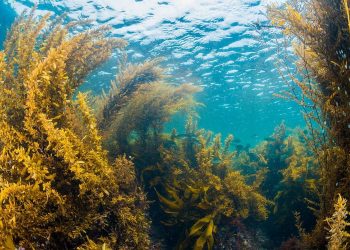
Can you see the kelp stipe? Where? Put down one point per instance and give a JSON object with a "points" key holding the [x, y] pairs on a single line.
{"points": [[57, 188]]}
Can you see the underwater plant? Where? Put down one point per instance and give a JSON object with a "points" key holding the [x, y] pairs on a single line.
{"points": [[291, 181], [58, 189], [320, 33], [286, 173], [132, 114], [337, 225], [199, 192]]}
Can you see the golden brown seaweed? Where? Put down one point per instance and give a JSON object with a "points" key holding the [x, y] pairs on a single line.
{"points": [[133, 113], [57, 188], [320, 30], [200, 192], [337, 225]]}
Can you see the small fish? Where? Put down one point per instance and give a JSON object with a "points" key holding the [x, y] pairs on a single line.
{"points": [[186, 135], [260, 26], [253, 156], [236, 140], [190, 136], [269, 139], [216, 160], [169, 144], [239, 147]]}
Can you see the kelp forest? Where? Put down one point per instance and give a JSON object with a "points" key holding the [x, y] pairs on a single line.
{"points": [[86, 171]]}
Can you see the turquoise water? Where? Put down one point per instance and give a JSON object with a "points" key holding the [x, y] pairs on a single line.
{"points": [[221, 45]]}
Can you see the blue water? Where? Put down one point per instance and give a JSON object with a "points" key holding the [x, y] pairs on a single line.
{"points": [[211, 43]]}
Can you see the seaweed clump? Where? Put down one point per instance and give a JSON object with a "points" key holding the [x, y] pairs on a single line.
{"points": [[287, 172], [198, 195], [58, 189], [337, 225], [321, 34], [199, 192], [132, 114]]}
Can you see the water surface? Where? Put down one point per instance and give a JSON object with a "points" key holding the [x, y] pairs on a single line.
{"points": [[221, 45]]}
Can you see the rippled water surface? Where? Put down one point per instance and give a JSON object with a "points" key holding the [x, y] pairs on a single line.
{"points": [[221, 45]]}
